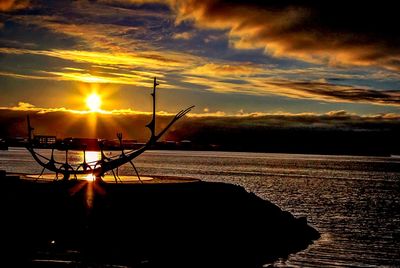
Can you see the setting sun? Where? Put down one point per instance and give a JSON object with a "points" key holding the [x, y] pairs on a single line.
{"points": [[93, 102]]}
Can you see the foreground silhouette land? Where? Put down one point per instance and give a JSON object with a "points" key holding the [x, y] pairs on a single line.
{"points": [[162, 223]]}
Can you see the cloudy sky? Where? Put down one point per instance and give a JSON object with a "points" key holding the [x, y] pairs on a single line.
{"points": [[226, 57]]}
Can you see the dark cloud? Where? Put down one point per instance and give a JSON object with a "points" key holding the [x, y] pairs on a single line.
{"points": [[68, 123], [332, 133], [336, 132], [340, 93], [338, 32]]}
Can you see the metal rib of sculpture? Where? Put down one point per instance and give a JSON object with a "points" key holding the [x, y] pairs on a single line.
{"points": [[105, 164]]}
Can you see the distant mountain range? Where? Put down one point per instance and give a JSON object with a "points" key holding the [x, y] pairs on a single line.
{"points": [[336, 134]]}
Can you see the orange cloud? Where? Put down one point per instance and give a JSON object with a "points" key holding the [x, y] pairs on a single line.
{"points": [[232, 70], [339, 114], [11, 5], [245, 78], [28, 107], [316, 90], [121, 68], [184, 36]]}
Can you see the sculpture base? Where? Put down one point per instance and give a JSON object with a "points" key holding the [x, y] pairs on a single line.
{"points": [[108, 178]]}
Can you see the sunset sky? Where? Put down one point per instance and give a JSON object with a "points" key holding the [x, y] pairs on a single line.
{"points": [[225, 57]]}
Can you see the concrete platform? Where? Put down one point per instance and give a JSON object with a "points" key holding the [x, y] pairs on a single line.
{"points": [[145, 179]]}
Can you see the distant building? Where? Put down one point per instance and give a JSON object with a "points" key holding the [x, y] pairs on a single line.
{"points": [[165, 145], [3, 144], [111, 144], [93, 144], [88, 144], [44, 140], [185, 144], [131, 144], [17, 141]]}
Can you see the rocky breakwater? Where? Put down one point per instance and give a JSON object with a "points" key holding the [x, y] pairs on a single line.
{"points": [[162, 223]]}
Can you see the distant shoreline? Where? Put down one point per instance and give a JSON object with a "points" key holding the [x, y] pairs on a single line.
{"points": [[222, 149]]}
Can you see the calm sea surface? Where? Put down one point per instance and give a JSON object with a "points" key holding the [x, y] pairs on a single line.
{"points": [[354, 201]]}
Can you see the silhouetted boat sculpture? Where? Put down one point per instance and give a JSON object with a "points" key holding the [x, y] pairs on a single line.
{"points": [[105, 164]]}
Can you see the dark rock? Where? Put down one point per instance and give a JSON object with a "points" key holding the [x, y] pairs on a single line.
{"points": [[194, 224]]}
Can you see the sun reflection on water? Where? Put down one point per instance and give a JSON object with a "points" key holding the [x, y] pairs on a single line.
{"points": [[91, 157], [90, 177]]}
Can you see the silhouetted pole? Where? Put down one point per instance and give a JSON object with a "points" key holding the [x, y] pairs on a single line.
{"points": [[155, 84], [152, 124], [30, 129]]}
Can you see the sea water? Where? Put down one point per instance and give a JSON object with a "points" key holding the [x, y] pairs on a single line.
{"points": [[353, 201]]}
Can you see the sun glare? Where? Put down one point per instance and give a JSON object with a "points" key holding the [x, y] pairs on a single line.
{"points": [[90, 177], [91, 158], [93, 102]]}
